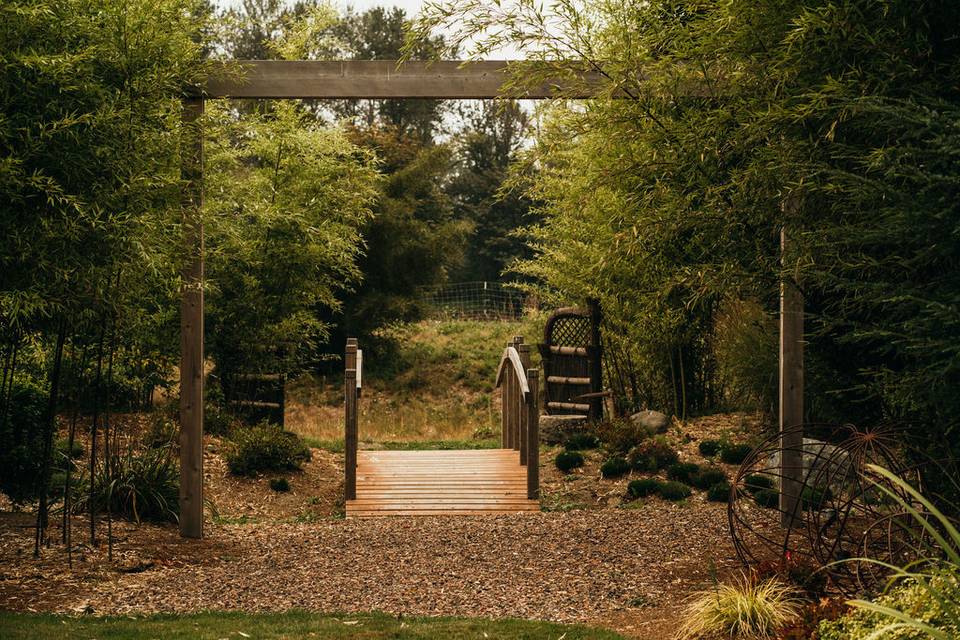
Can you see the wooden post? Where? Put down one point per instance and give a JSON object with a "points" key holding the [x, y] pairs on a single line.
{"points": [[532, 407], [517, 398], [791, 384], [596, 360], [523, 422], [509, 405], [350, 420], [191, 325]]}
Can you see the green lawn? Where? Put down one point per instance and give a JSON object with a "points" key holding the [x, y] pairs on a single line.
{"points": [[295, 624]]}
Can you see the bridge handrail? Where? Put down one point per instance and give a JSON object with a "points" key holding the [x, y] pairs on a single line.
{"points": [[520, 409]]}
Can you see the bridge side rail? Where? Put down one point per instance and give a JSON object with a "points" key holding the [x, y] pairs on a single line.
{"points": [[520, 410], [352, 385]]}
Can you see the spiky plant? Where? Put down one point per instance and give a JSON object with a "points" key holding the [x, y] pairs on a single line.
{"points": [[742, 609]]}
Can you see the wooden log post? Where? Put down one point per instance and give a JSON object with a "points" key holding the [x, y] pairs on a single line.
{"points": [[509, 390], [532, 407], [350, 420], [791, 385], [191, 324], [596, 360], [523, 417], [515, 423]]}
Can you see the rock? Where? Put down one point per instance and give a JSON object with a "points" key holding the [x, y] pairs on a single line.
{"points": [[652, 420], [822, 463], [557, 429]]}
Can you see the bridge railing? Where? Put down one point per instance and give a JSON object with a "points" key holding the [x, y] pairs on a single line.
{"points": [[353, 384], [520, 410]]}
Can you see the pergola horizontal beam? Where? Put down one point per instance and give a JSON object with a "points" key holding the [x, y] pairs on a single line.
{"points": [[447, 79]]}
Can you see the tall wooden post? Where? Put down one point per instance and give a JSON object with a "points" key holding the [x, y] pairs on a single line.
{"points": [[791, 381], [350, 435], [596, 360], [532, 408], [509, 390], [191, 325], [523, 422]]}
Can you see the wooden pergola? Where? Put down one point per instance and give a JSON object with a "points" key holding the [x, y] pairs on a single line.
{"points": [[386, 79]]}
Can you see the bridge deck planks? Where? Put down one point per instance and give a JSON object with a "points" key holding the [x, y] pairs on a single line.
{"points": [[419, 483]]}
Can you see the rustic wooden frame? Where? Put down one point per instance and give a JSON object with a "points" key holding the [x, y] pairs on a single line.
{"points": [[449, 79]]}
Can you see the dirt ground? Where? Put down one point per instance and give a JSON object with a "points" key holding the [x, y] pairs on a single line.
{"points": [[589, 556]]}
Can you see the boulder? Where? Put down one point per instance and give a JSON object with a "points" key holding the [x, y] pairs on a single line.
{"points": [[557, 429], [823, 463], [653, 420]]}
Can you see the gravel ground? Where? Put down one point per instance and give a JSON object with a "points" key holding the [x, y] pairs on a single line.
{"points": [[602, 567]]}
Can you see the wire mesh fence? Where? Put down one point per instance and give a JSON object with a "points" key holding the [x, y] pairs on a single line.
{"points": [[482, 300]]}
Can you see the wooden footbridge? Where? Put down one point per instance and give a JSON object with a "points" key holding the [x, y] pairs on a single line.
{"points": [[469, 482]]}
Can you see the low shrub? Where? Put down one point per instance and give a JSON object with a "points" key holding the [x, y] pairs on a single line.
{"points": [[682, 471], [217, 421], [643, 487], [22, 428], [745, 609], [280, 485], [757, 481], [652, 455], [720, 492], [709, 448], [614, 468], [581, 441], [139, 484], [161, 431], [265, 447], [674, 491], [566, 461], [706, 477], [814, 498], [767, 498], [621, 435], [64, 451], [735, 453]]}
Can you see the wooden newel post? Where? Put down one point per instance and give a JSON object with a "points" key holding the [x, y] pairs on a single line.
{"points": [[191, 325], [350, 421], [523, 422], [532, 407], [791, 384]]}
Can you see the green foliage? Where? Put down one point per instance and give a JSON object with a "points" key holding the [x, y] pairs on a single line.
{"points": [[709, 448], [767, 498], [744, 609], [21, 440], [581, 441], [815, 497], [652, 455], [162, 431], [669, 209], [139, 484], [265, 447], [643, 487], [674, 491], [758, 481], [683, 471], [707, 477], [280, 485], [719, 492], [614, 468], [566, 461], [621, 435], [64, 451], [735, 453]]}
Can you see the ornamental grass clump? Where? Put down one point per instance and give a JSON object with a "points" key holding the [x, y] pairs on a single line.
{"points": [[719, 492], [744, 609], [674, 491], [709, 448], [652, 455], [614, 468], [643, 487], [683, 471], [707, 477], [735, 453]]}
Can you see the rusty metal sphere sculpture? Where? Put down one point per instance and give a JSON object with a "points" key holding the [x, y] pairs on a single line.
{"points": [[839, 514]]}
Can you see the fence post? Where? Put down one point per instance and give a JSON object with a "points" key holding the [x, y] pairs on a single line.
{"points": [[791, 385], [350, 420], [523, 423], [532, 407], [596, 359], [517, 400]]}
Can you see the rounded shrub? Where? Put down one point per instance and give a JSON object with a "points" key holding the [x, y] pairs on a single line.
{"points": [[621, 435], [756, 482], [709, 448], [720, 492], [682, 471], [815, 497], [614, 468], [706, 477], [280, 485], [735, 453], [566, 461], [581, 441], [643, 487], [767, 498], [265, 447], [652, 455], [674, 491]]}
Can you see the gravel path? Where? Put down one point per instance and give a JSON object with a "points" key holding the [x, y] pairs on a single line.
{"points": [[622, 568]]}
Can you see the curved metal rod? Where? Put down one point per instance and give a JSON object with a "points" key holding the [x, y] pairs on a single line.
{"points": [[510, 355]]}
